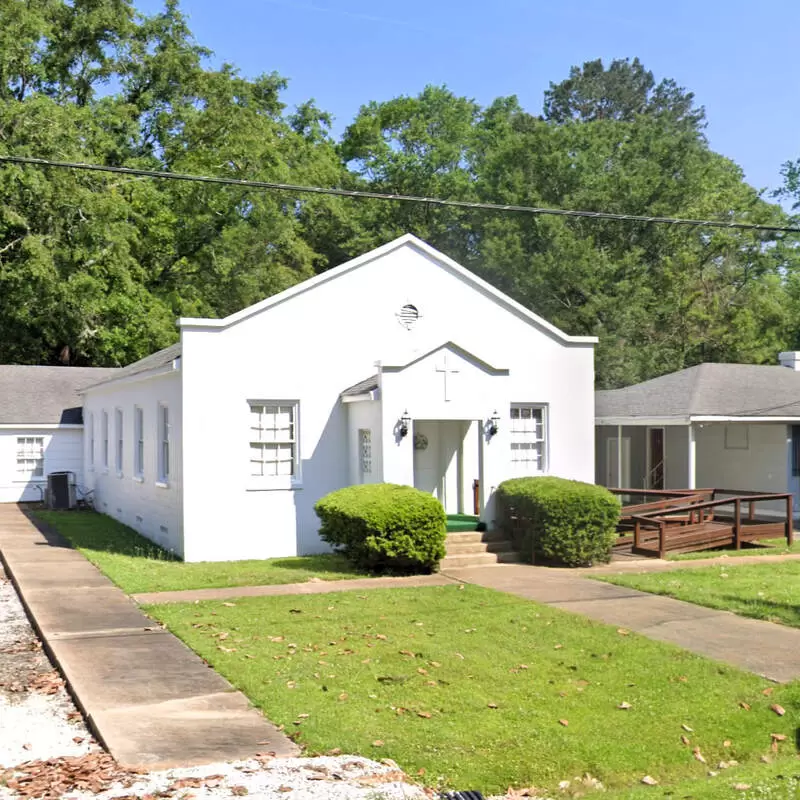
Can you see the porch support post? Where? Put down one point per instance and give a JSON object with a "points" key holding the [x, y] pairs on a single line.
{"points": [[692, 460], [619, 457]]}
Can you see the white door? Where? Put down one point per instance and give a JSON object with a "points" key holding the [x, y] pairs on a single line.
{"points": [[613, 477]]}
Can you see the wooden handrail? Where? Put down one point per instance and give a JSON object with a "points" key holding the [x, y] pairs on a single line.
{"points": [[658, 492], [714, 503]]}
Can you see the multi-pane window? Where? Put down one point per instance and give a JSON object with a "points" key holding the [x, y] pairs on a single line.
{"points": [[138, 434], [528, 431], [163, 443], [273, 439], [91, 441], [30, 457], [365, 451], [104, 432], [119, 439]]}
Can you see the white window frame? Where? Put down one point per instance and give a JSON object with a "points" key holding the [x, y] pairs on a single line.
{"points": [[29, 449], [138, 443], [164, 439], [91, 442], [518, 434], [104, 431], [119, 440], [257, 437]]}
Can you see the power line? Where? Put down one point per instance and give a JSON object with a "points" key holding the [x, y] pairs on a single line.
{"points": [[405, 198]]}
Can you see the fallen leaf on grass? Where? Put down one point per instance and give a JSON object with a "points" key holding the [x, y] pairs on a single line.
{"points": [[779, 710], [698, 755], [624, 706], [343, 696], [745, 706], [768, 692], [229, 605], [424, 714], [649, 781], [687, 728], [378, 743], [623, 632], [492, 705], [564, 722], [741, 787], [685, 740]]}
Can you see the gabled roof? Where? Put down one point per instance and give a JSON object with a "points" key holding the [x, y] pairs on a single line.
{"points": [[31, 395], [157, 360], [707, 390], [403, 360], [408, 240]]}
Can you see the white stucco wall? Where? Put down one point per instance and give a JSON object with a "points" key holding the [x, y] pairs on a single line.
{"points": [[311, 347], [365, 414], [62, 451], [151, 507]]}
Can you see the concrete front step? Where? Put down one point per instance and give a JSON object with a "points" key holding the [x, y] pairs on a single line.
{"points": [[463, 537], [478, 560], [465, 548]]}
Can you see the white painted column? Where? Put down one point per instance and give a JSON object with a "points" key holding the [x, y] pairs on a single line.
{"points": [[619, 458], [692, 465]]}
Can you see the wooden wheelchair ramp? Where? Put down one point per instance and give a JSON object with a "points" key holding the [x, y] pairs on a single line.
{"points": [[663, 522]]}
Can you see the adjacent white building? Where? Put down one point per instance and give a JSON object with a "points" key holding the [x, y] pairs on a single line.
{"points": [[724, 426], [41, 427], [398, 366]]}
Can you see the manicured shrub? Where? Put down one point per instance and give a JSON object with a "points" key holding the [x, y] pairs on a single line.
{"points": [[558, 521], [384, 527]]}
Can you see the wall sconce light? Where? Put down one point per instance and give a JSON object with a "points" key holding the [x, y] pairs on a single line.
{"points": [[404, 423], [494, 424]]}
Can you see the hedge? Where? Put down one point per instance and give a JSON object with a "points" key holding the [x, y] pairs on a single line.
{"points": [[384, 527], [558, 521]]}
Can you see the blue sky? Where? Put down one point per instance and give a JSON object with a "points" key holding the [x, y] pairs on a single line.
{"points": [[738, 57]]}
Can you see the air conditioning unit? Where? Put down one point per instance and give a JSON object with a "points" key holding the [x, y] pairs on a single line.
{"points": [[61, 490]]}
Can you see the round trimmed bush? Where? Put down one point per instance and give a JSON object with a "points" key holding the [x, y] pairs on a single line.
{"points": [[384, 527], [559, 521]]}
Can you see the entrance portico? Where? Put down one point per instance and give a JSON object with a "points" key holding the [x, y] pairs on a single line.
{"points": [[439, 430]]}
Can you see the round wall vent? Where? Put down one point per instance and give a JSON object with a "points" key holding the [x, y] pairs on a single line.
{"points": [[408, 316]]}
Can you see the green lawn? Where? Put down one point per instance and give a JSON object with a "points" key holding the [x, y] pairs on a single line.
{"points": [[136, 564], [468, 688], [762, 591], [767, 547]]}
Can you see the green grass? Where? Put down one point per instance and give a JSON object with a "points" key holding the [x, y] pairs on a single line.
{"points": [[767, 547], [762, 591], [136, 564], [421, 671]]}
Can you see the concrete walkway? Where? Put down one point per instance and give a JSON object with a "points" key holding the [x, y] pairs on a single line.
{"points": [[761, 647], [309, 587], [149, 699]]}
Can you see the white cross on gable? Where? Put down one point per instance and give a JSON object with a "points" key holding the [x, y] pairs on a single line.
{"points": [[445, 370]]}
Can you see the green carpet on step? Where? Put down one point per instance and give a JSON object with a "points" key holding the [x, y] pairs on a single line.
{"points": [[457, 523]]}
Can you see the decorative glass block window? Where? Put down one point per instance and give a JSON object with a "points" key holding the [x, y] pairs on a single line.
{"points": [[104, 433], [119, 441], [30, 457], [365, 451], [138, 434], [273, 439], [528, 431], [163, 443]]}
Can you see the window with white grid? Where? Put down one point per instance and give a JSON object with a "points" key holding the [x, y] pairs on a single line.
{"points": [[273, 439], [365, 452], [138, 435], [30, 457], [528, 433]]}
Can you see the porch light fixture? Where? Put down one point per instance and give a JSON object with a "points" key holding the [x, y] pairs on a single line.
{"points": [[494, 424], [403, 424]]}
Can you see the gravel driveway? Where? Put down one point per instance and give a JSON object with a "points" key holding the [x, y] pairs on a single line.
{"points": [[47, 752]]}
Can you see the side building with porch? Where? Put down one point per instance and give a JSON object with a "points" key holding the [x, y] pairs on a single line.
{"points": [[724, 426]]}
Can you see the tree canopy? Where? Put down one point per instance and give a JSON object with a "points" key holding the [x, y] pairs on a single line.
{"points": [[95, 268]]}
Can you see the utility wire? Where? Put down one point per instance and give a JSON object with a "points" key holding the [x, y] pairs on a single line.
{"points": [[405, 198]]}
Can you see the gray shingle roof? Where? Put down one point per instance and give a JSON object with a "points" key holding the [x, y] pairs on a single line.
{"points": [[158, 359], [362, 387], [729, 390], [45, 395]]}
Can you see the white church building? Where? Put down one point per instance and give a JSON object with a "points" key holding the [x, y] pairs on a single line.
{"points": [[398, 366]]}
